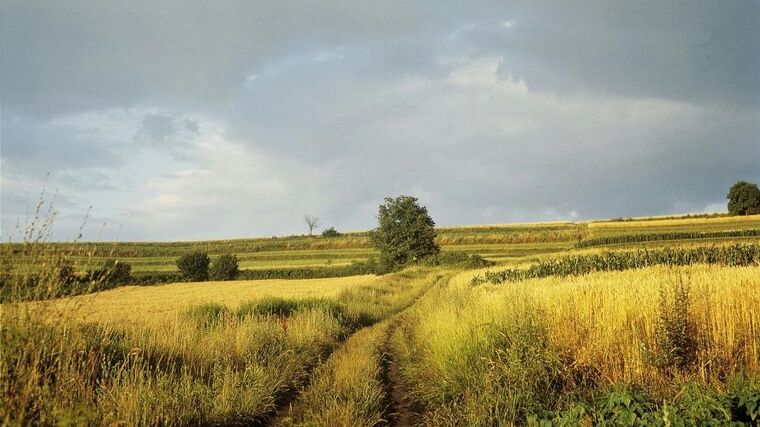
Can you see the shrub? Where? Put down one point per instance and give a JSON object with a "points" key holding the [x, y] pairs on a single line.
{"points": [[744, 199], [330, 232], [194, 266], [112, 273], [64, 274], [405, 232], [224, 268], [676, 333], [61, 280]]}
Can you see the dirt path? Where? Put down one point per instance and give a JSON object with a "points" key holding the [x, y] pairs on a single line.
{"points": [[400, 410], [401, 415]]}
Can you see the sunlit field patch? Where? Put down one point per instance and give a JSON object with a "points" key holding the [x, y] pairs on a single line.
{"points": [[157, 303]]}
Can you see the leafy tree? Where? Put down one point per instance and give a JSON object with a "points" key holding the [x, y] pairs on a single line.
{"points": [[194, 266], [330, 232], [224, 268], [744, 199], [405, 232]]}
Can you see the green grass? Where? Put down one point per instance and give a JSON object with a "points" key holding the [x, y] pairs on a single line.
{"points": [[296, 251], [501, 243]]}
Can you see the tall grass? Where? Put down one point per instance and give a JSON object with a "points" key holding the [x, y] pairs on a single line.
{"points": [[210, 364], [221, 370], [348, 389], [207, 365], [352, 388], [543, 348]]}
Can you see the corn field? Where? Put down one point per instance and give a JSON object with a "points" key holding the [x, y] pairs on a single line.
{"points": [[655, 237], [734, 256]]}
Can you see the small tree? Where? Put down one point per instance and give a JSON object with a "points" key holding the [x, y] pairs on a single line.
{"points": [[744, 199], [194, 266], [330, 232], [312, 222], [224, 268], [405, 232]]}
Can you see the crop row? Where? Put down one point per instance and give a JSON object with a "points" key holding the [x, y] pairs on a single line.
{"points": [[735, 255], [653, 237]]}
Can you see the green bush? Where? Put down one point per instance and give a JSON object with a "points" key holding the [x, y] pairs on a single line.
{"points": [[111, 274], [64, 275], [194, 266], [224, 268], [330, 232]]}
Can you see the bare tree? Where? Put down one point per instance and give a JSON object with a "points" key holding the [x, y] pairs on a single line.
{"points": [[312, 222]]}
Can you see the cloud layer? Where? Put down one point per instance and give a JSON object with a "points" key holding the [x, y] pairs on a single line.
{"points": [[190, 120]]}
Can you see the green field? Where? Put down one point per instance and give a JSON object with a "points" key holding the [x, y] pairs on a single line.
{"points": [[590, 337], [501, 243]]}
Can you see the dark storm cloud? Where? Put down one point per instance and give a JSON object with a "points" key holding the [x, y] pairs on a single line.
{"points": [[694, 50], [489, 111]]}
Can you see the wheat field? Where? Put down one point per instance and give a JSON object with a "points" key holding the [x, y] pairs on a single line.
{"points": [[159, 303]]}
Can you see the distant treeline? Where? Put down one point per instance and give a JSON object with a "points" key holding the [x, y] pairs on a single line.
{"points": [[653, 237], [734, 255]]}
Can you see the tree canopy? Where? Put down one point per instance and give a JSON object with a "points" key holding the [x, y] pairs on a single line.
{"points": [[405, 232], [744, 199]]}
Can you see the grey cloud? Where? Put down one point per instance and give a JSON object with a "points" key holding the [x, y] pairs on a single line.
{"points": [[166, 132], [85, 55], [38, 147], [157, 127], [574, 156]]}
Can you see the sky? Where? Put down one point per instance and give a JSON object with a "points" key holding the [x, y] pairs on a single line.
{"points": [[181, 120]]}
